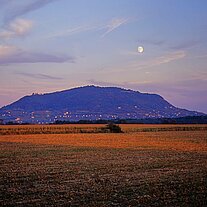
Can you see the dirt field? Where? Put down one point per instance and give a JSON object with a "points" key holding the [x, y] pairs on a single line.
{"points": [[159, 168]]}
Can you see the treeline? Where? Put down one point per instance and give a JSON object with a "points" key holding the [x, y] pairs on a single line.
{"points": [[181, 120]]}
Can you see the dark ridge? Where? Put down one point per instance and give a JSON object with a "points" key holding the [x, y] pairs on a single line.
{"points": [[91, 103]]}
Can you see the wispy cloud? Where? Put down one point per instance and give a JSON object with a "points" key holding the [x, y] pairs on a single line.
{"points": [[155, 42], [107, 28], [143, 65], [73, 31], [14, 25], [148, 63], [164, 59], [186, 85], [11, 55], [201, 56], [114, 24], [7, 50], [19, 10], [16, 28], [185, 45], [168, 58], [39, 76]]}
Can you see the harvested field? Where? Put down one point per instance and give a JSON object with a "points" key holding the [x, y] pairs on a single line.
{"points": [[183, 140], [94, 128], [159, 168], [51, 129]]}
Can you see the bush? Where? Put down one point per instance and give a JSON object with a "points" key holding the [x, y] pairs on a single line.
{"points": [[113, 128]]}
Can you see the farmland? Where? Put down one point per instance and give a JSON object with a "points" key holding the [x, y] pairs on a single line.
{"points": [[93, 128], [77, 165]]}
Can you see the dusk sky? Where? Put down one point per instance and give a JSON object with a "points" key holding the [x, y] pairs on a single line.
{"points": [[53, 45]]}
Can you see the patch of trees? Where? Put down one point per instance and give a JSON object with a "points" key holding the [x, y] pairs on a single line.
{"points": [[114, 128]]}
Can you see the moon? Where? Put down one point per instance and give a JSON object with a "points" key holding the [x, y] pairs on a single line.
{"points": [[140, 49]]}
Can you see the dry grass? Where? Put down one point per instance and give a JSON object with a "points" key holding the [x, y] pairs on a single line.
{"points": [[93, 128], [163, 127], [130, 169], [51, 129], [181, 140]]}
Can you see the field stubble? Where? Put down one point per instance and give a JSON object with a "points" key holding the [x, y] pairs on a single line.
{"points": [[129, 169], [94, 128]]}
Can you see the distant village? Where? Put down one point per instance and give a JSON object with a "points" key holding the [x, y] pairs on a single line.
{"points": [[48, 117]]}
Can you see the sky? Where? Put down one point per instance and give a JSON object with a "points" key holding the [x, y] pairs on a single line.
{"points": [[53, 45]]}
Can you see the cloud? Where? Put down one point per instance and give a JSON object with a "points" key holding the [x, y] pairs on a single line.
{"points": [[73, 31], [18, 11], [178, 86], [185, 45], [164, 59], [14, 27], [11, 55], [139, 64], [155, 42], [17, 28], [39, 76], [168, 58], [6, 50], [13, 24], [149, 63], [108, 27], [114, 24], [201, 56]]}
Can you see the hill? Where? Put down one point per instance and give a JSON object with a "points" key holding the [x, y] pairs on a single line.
{"points": [[91, 103]]}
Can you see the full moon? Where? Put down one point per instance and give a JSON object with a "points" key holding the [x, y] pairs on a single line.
{"points": [[140, 49]]}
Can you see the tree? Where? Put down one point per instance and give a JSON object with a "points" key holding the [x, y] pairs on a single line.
{"points": [[113, 128]]}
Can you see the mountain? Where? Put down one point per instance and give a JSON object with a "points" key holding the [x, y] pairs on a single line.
{"points": [[91, 103]]}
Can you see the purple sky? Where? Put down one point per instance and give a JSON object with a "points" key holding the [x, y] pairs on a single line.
{"points": [[53, 45]]}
